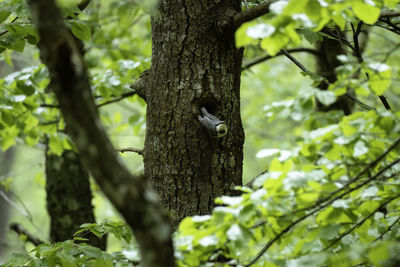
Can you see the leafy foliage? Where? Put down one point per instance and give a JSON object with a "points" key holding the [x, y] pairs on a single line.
{"points": [[71, 253], [329, 199]]}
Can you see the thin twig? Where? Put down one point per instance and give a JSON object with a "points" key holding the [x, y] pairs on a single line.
{"points": [[295, 61], [5, 31], [49, 123], [267, 57], [289, 227], [19, 229], [119, 98], [251, 182], [356, 33], [395, 28], [388, 229], [131, 149], [389, 14], [361, 222], [337, 37], [358, 102], [49, 106], [359, 175], [325, 84]]}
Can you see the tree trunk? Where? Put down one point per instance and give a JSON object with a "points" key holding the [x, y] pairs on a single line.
{"points": [[329, 49], [69, 198], [195, 64]]}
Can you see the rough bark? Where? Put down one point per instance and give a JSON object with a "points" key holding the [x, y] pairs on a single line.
{"points": [[131, 195], [194, 63], [69, 197], [329, 49]]}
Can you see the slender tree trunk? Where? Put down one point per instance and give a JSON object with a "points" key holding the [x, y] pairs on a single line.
{"points": [[69, 198], [329, 49], [195, 64]]}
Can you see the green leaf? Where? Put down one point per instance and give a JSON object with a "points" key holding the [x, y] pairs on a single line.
{"points": [[25, 88], [7, 57], [326, 97], [67, 260], [379, 77], [360, 149], [8, 136], [379, 254], [310, 35], [56, 145], [241, 36], [339, 20], [391, 3], [103, 263], [4, 15], [367, 13], [208, 241], [274, 43], [13, 41], [81, 29], [90, 251]]}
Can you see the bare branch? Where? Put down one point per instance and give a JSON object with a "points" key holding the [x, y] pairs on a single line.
{"points": [[252, 13], [49, 122], [295, 61], [131, 149], [20, 230], [49, 106], [359, 103], [119, 98], [325, 84], [356, 33], [5, 31], [267, 57], [389, 14]]}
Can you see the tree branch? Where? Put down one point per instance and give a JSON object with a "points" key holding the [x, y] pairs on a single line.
{"points": [[295, 61], [388, 229], [324, 83], [389, 14], [49, 106], [267, 57], [5, 31], [252, 13], [361, 222], [20, 230], [131, 195], [140, 85], [358, 176], [356, 33], [131, 149], [289, 227], [119, 98]]}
